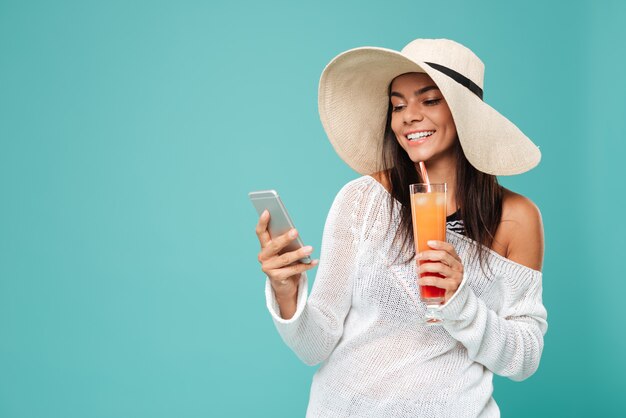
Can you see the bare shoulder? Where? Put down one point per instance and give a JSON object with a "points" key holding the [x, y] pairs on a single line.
{"points": [[520, 232], [383, 178], [519, 207]]}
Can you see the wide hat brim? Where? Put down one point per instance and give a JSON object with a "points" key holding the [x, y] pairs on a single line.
{"points": [[353, 103]]}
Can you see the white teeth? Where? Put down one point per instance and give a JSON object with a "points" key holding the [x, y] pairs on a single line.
{"points": [[418, 135]]}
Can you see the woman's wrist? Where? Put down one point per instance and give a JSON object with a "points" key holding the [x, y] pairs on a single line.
{"points": [[286, 295], [287, 306]]}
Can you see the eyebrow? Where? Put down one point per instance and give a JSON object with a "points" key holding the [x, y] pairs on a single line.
{"points": [[417, 92]]}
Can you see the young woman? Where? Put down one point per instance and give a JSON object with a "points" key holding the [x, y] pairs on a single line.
{"points": [[385, 111]]}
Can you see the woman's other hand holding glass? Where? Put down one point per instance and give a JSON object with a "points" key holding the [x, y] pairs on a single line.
{"points": [[446, 262]]}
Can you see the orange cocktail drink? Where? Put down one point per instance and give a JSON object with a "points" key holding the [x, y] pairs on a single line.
{"points": [[428, 209]]}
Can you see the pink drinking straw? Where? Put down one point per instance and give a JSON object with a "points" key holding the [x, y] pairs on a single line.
{"points": [[425, 176]]}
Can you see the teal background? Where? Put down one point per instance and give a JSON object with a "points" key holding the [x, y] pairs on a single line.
{"points": [[131, 132]]}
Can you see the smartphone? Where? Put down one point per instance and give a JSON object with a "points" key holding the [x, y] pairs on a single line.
{"points": [[280, 221]]}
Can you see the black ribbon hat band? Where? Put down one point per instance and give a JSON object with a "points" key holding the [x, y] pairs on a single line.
{"points": [[459, 78]]}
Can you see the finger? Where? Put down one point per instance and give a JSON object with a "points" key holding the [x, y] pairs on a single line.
{"points": [[444, 246], [286, 272], [450, 285], [261, 228], [436, 268], [276, 244], [441, 256], [286, 259]]}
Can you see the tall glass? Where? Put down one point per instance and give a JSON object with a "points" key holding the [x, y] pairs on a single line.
{"points": [[428, 207]]}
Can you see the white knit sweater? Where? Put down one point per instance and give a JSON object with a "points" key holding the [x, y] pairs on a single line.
{"points": [[362, 321]]}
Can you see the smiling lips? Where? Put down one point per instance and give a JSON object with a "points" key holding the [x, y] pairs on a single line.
{"points": [[418, 137]]}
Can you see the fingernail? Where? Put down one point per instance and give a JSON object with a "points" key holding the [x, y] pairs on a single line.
{"points": [[314, 262], [293, 233], [418, 256], [432, 243], [265, 213], [308, 249]]}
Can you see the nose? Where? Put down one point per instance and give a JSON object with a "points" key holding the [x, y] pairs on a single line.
{"points": [[412, 114]]}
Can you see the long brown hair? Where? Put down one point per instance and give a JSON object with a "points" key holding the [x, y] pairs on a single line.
{"points": [[478, 195]]}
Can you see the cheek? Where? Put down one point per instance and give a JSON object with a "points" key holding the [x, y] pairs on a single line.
{"points": [[451, 127], [448, 121], [396, 126]]}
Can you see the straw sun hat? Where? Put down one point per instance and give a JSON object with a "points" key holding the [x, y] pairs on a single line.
{"points": [[353, 103]]}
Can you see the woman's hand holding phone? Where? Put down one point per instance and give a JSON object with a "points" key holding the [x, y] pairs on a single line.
{"points": [[283, 269]]}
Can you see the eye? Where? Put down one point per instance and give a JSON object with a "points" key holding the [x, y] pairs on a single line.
{"points": [[432, 102], [397, 108]]}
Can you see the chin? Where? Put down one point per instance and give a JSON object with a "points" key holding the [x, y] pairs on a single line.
{"points": [[416, 157]]}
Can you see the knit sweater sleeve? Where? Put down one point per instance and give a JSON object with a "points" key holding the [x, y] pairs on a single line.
{"points": [[316, 327], [508, 342]]}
